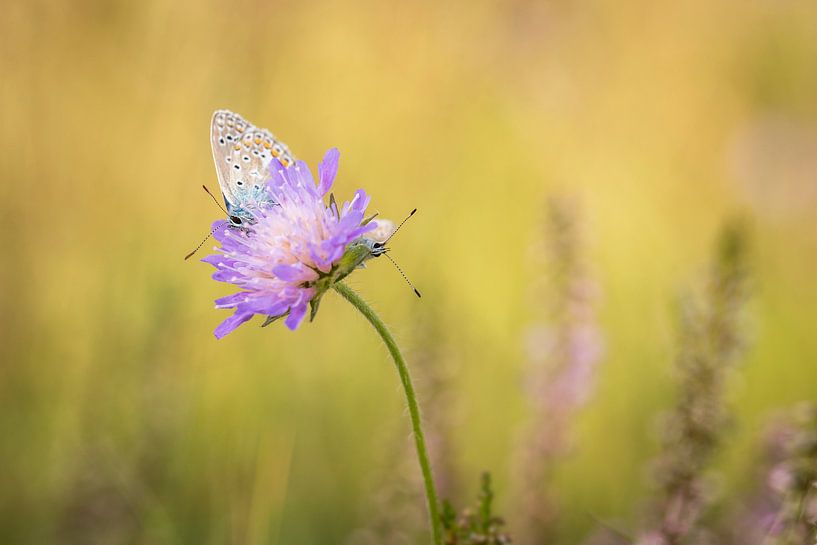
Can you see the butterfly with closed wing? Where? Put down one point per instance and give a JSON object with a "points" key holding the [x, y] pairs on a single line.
{"points": [[242, 154]]}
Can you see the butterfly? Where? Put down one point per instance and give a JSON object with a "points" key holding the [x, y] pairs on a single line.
{"points": [[242, 154]]}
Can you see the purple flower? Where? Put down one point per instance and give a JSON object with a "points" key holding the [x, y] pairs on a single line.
{"points": [[285, 260]]}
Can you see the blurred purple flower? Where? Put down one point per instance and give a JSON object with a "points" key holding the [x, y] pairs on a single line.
{"points": [[563, 353], [291, 245], [781, 510], [710, 344]]}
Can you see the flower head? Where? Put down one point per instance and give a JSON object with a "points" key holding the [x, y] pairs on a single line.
{"points": [[295, 249]]}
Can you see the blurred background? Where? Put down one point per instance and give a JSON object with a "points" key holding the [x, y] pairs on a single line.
{"points": [[123, 420]]}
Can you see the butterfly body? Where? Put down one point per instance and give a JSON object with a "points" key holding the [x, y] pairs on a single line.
{"points": [[242, 154]]}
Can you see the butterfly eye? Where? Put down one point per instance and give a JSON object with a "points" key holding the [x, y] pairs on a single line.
{"points": [[235, 219]]}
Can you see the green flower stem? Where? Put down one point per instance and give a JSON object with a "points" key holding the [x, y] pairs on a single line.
{"points": [[411, 398]]}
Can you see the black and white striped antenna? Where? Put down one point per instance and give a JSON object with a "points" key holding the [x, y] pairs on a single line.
{"points": [[396, 266], [191, 254]]}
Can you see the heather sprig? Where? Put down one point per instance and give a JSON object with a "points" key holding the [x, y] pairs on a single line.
{"points": [[564, 350], [477, 526], [710, 342], [792, 482], [756, 517]]}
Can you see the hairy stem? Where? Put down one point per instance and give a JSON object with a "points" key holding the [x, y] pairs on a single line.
{"points": [[411, 399]]}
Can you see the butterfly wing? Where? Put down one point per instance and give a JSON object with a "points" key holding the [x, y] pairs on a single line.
{"points": [[242, 153], [382, 232]]}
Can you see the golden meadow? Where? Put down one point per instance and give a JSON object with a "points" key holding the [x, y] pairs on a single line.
{"points": [[122, 420]]}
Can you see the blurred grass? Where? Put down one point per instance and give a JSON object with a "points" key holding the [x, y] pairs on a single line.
{"points": [[123, 420]]}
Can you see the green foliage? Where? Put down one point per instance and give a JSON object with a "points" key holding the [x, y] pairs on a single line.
{"points": [[478, 526]]}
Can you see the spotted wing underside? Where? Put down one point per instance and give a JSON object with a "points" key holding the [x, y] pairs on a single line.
{"points": [[242, 153]]}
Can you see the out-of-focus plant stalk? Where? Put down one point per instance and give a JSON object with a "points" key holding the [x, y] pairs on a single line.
{"points": [[710, 343], [411, 400], [785, 509], [563, 354]]}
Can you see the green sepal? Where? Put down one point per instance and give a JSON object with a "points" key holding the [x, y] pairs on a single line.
{"points": [[356, 253], [271, 319], [313, 306], [370, 218], [333, 205]]}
